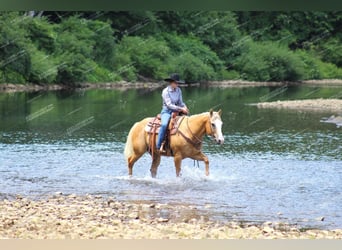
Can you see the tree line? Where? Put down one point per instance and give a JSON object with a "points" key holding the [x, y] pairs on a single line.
{"points": [[73, 47]]}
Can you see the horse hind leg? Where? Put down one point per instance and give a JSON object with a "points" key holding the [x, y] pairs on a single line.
{"points": [[131, 160], [155, 165]]}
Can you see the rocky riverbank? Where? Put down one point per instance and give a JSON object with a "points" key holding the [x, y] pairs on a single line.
{"points": [[123, 85], [10, 88], [242, 83], [95, 217], [319, 105]]}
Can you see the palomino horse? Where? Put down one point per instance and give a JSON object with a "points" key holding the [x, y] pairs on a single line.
{"points": [[186, 143]]}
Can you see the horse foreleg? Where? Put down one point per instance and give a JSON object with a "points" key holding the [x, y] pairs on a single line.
{"points": [[154, 166], [178, 162], [202, 157]]}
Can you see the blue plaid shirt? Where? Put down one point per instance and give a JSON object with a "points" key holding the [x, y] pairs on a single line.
{"points": [[172, 99]]}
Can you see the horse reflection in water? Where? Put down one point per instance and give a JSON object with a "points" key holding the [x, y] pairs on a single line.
{"points": [[186, 143]]}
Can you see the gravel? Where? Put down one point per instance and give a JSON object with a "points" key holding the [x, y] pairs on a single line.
{"points": [[95, 217], [319, 105]]}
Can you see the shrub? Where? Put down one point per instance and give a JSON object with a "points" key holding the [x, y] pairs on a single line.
{"points": [[329, 70], [84, 48], [268, 62], [331, 51], [191, 68], [11, 76], [216, 29], [14, 58], [96, 73], [41, 33], [146, 57], [192, 45], [71, 68], [104, 46], [316, 69], [44, 69], [230, 75], [75, 37]]}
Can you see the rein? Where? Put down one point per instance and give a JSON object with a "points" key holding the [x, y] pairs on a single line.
{"points": [[196, 142]]}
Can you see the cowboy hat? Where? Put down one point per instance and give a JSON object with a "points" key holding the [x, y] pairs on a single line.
{"points": [[174, 77]]}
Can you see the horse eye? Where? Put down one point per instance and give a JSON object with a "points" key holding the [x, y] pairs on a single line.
{"points": [[213, 125]]}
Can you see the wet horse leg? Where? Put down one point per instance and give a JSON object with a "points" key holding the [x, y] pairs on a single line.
{"points": [[202, 157], [178, 162], [155, 165], [131, 160]]}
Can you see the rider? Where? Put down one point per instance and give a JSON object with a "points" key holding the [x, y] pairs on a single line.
{"points": [[172, 102]]}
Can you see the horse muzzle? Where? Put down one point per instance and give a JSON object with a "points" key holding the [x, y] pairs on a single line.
{"points": [[220, 141]]}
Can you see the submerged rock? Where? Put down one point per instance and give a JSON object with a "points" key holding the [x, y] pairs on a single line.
{"points": [[333, 119]]}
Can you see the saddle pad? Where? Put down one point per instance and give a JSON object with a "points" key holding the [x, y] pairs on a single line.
{"points": [[153, 125]]}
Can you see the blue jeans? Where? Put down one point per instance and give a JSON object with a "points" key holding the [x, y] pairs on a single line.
{"points": [[165, 118]]}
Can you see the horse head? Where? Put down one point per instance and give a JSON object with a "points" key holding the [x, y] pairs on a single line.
{"points": [[216, 126]]}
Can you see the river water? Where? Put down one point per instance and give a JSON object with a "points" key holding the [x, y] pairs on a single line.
{"points": [[275, 165]]}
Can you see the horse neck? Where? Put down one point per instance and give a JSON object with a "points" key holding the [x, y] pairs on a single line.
{"points": [[197, 124]]}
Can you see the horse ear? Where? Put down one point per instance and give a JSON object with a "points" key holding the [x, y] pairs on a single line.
{"points": [[219, 112], [211, 112]]}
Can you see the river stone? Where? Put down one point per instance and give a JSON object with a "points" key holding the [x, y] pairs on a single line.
{"points": [[133, 215], [267, 230], [162, 220], [268, 223], [320, 218], [69, 219]]}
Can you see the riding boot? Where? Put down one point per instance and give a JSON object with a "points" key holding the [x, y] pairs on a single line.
{"points": [[161, 149]]}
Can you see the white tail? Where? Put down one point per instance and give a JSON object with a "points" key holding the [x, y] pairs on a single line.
{"points": [[129, 144]]}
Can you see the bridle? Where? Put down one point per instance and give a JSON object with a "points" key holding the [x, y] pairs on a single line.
{"points": [[195, 141]]}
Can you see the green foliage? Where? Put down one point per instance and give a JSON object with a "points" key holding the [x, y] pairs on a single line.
{"points": [[216, 29], [75, 37], [75, 47], [192, 45], [311, 68], [191, 68], [103, 50], [194, 60], [329, 70], [124, 67], [83, 49], [41, 33], [15, 61], [134, 23], [11, 76], [71, 68], [231, 75], [43, 70], [316, 69], [155, 59], [146, 57], [331, 51], [297, 29], [269, 62], [96, 73]]}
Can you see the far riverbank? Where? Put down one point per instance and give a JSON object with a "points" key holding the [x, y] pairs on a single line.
{"points": [[10, 88]]}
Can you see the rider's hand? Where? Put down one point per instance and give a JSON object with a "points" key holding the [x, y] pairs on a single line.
{"points": [[185, 110]]}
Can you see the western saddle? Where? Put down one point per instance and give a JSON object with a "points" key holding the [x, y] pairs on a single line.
{"points": [[153, 127]]}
